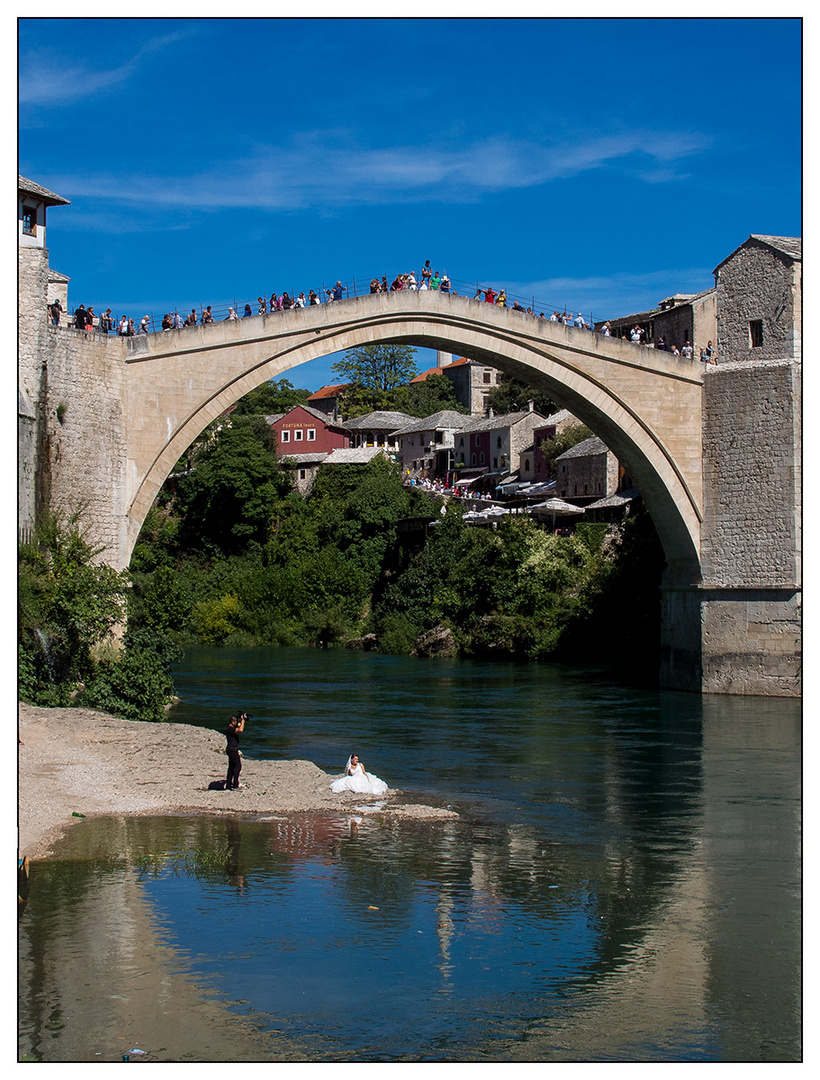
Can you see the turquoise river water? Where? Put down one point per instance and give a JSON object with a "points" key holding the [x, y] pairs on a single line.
{"points": [[622, 883]]}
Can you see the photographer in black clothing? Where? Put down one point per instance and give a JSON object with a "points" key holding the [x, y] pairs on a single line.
{"points": [[236, 725]]}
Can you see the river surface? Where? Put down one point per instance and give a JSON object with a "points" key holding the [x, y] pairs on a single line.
{"points": [[622, 884]]}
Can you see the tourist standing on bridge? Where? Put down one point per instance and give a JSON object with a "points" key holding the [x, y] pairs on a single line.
{"points": [[313, 297], [54, 309], [122, 330], [143, 328], [445, 284], [166, 321], [338, 289], [231, 316], [707, 355], [191, 320], [247, 312], [176, 321], [263, 307], [80, 316], [687, 350], [501, 299], [426, 273], [106, 321], [489, 296]]}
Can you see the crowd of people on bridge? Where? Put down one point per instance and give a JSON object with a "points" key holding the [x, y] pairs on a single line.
{"points": [[85, 320]]}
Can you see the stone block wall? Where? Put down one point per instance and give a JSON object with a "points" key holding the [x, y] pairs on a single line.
{"points": [[751, 474], [84, 435], [759, 283]]}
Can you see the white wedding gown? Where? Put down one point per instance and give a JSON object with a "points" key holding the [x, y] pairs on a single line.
{"points": [[359, 781]]}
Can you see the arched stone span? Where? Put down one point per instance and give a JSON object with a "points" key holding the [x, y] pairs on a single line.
{"points": [[646, 405]]}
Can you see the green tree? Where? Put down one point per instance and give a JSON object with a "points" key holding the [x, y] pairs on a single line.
{"points": [[68, 605], [379, 368], [276, 396], [226, 499], [435, 394], [564, 440], [513, 395]]}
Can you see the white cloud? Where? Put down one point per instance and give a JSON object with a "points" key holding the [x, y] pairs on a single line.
{"points": [[46, 78], [326, 169]]}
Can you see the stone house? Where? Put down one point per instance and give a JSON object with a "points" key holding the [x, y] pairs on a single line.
{"points": [[471, 380], [426, 446], [532, 467], [493, 445], [588, 471], [37, 286], [679, 318], [759, 308], [306, 466], [377, 429]]}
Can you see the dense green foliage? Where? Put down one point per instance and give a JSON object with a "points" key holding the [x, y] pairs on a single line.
{"points": [[276, 396], [69, 604], [231, 555], [512, 395], [336, 565], [378, 368]]}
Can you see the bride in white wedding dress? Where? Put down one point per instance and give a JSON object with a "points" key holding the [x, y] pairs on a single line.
{"points": [[356, 779]]}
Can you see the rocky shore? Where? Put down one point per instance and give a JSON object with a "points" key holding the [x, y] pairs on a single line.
{"points": [[82, 762]]}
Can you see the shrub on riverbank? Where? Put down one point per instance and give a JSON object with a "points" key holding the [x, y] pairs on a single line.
{"points": [[68, 607]]}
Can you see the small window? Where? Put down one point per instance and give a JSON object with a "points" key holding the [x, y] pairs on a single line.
{"points": [[487, 376], [311, 434], [495, 462], [756, 333], [284, 436], [29, 220], [498, 442], [526, 464], [298, 434], [472, 460], [482, 457], [303, 474]]}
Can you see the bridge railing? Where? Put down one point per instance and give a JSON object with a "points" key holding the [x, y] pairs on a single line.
{"points": [[353, 287]]}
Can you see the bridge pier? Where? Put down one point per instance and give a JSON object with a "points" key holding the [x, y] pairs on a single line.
{"points": [[738, 630]]}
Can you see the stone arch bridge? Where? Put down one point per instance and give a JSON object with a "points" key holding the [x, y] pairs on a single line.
{"points": [[132, 406]]}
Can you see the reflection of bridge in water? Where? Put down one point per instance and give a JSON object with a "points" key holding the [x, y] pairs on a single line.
{"points": [[683, 947]]}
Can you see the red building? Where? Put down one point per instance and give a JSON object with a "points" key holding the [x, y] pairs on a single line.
{"points": [[306, 430]]}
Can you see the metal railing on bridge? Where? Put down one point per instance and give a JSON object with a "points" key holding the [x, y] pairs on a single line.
{"points": [[353, 287]]}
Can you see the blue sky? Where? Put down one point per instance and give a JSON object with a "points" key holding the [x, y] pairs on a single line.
{"points": [[597, 164]]}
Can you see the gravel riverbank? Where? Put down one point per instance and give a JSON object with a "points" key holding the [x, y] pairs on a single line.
{"points": [[79, 761]]}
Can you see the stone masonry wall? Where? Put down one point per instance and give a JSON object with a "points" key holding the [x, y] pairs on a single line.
{"points": [[751, 474], [758, 283], [86, 446]]}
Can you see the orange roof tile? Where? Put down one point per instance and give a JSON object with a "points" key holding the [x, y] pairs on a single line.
{"points": [[329, 391]]}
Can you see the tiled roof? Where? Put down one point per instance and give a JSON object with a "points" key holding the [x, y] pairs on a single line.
{"points": [[354, 455], [425, 375], [788, 245], [444, 419], [42, 193], [588, 448], [391, 420], [620, 498], [329, 391], [559, 417], [494, 423], [317, 414]]}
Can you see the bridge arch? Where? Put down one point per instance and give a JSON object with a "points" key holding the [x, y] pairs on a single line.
{"points": [[645, 405]]}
